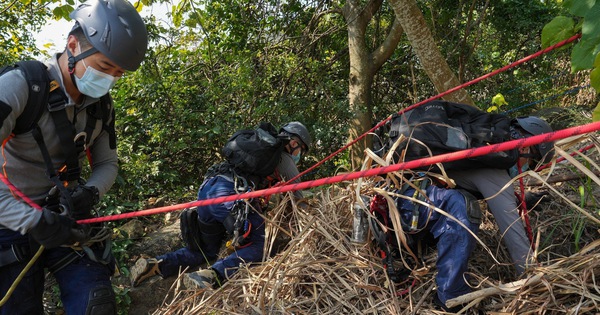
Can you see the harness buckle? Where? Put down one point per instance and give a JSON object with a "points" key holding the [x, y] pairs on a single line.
{"points": [[244, 184], [68, 174], [80, 140], [56, 101]]}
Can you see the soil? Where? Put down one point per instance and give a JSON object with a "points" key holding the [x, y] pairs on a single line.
{"points": [[150, 294]]}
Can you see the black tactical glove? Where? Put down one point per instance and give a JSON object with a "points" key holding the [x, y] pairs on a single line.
{"points": [[83, 199], [534, 198], [54, 230]]}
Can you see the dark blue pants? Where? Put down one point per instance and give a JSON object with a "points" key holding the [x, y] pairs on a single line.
{"points": [[217, 187], [454, 242], [79, 282]]}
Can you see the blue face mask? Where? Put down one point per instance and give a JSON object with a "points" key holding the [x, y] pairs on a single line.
{"points": [[94, 83], [514, 171], [296, 158]]}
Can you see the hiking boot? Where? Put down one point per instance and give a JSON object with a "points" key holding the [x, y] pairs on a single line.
{"points": [[201, 279], [143, 269]]}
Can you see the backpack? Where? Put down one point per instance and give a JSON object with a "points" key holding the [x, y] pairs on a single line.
{"points": [[45, 95], [37, 79], [255, 151], [445, 127]]}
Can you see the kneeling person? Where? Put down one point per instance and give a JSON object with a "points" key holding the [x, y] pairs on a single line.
{"points": [[216, 222], [453, 241]]}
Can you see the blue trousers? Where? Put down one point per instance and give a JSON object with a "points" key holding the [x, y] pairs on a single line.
{"points": [[184, 257], [454, 242], [82, 283]]}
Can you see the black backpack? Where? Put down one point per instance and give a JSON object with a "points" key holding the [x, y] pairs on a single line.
{"points": [[255, 151], [37, 79], [45, 95], [445, 127]]}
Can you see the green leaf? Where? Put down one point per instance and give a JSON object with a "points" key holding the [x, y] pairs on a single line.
{"points": [[596, 113], [580, 7], [177, 17], [62, 12], [559, 29], [492, 109], [597, 61], [499, 100], [591, 24], [582, 56], [595, 79], [138, 5]]}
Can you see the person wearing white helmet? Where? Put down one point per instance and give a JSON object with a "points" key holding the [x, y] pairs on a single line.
{"points": [[51, 117], [503, 204]]}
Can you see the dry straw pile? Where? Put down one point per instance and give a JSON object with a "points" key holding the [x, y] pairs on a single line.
{"points": [[320, 271]]}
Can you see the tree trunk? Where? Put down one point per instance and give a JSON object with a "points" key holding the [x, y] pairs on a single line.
{"points": [[364, 64], [363, 67], [422, 42]]}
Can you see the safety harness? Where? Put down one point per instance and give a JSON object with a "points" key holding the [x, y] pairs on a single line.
{"points": [[236, 227], [13, 253], [44, 91], [237, 224], [380, 212]]}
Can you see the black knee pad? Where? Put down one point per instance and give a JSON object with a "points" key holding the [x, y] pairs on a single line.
{"points": [[473, 209], [102, 301]]}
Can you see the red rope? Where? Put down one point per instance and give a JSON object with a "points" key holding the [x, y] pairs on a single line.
{"points": [[330, 180], [523, 211], [416, 164], [560, 159], [454, 89], [20, 194]]}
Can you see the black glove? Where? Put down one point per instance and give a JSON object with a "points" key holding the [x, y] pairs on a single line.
{"points": [[533, 198], [83, 199], [54, 230]]}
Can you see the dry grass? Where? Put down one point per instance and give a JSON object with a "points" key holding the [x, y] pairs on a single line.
{"points": [[321, 272]]}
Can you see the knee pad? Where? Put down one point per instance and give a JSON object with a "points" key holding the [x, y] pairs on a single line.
{"points": [[472, 204], [101, 301]]}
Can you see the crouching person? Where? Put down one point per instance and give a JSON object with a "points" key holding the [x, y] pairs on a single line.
{"points": [[214, 224], [453, 233]]}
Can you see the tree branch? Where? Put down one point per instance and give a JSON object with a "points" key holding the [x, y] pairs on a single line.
{"points": [[507, 288], [8, 7], [387, 48], [559, 178]]}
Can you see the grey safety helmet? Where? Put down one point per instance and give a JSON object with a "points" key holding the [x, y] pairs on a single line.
{"points": [[533, 125], [297, 129], [114, 28]]}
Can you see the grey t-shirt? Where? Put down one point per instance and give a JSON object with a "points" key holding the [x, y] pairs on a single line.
{"points": [[287, 170]]}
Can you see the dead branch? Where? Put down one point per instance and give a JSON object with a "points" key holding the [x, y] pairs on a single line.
{"points": [[508, 288], [559, 178]]}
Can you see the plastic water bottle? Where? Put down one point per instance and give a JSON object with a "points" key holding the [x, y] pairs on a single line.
{"points": [[360, 224]]}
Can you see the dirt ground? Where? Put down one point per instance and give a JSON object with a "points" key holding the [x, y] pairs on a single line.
{"points": [[148, 296]]}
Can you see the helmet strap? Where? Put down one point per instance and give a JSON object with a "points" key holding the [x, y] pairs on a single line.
{"points": [[72, 60]]}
